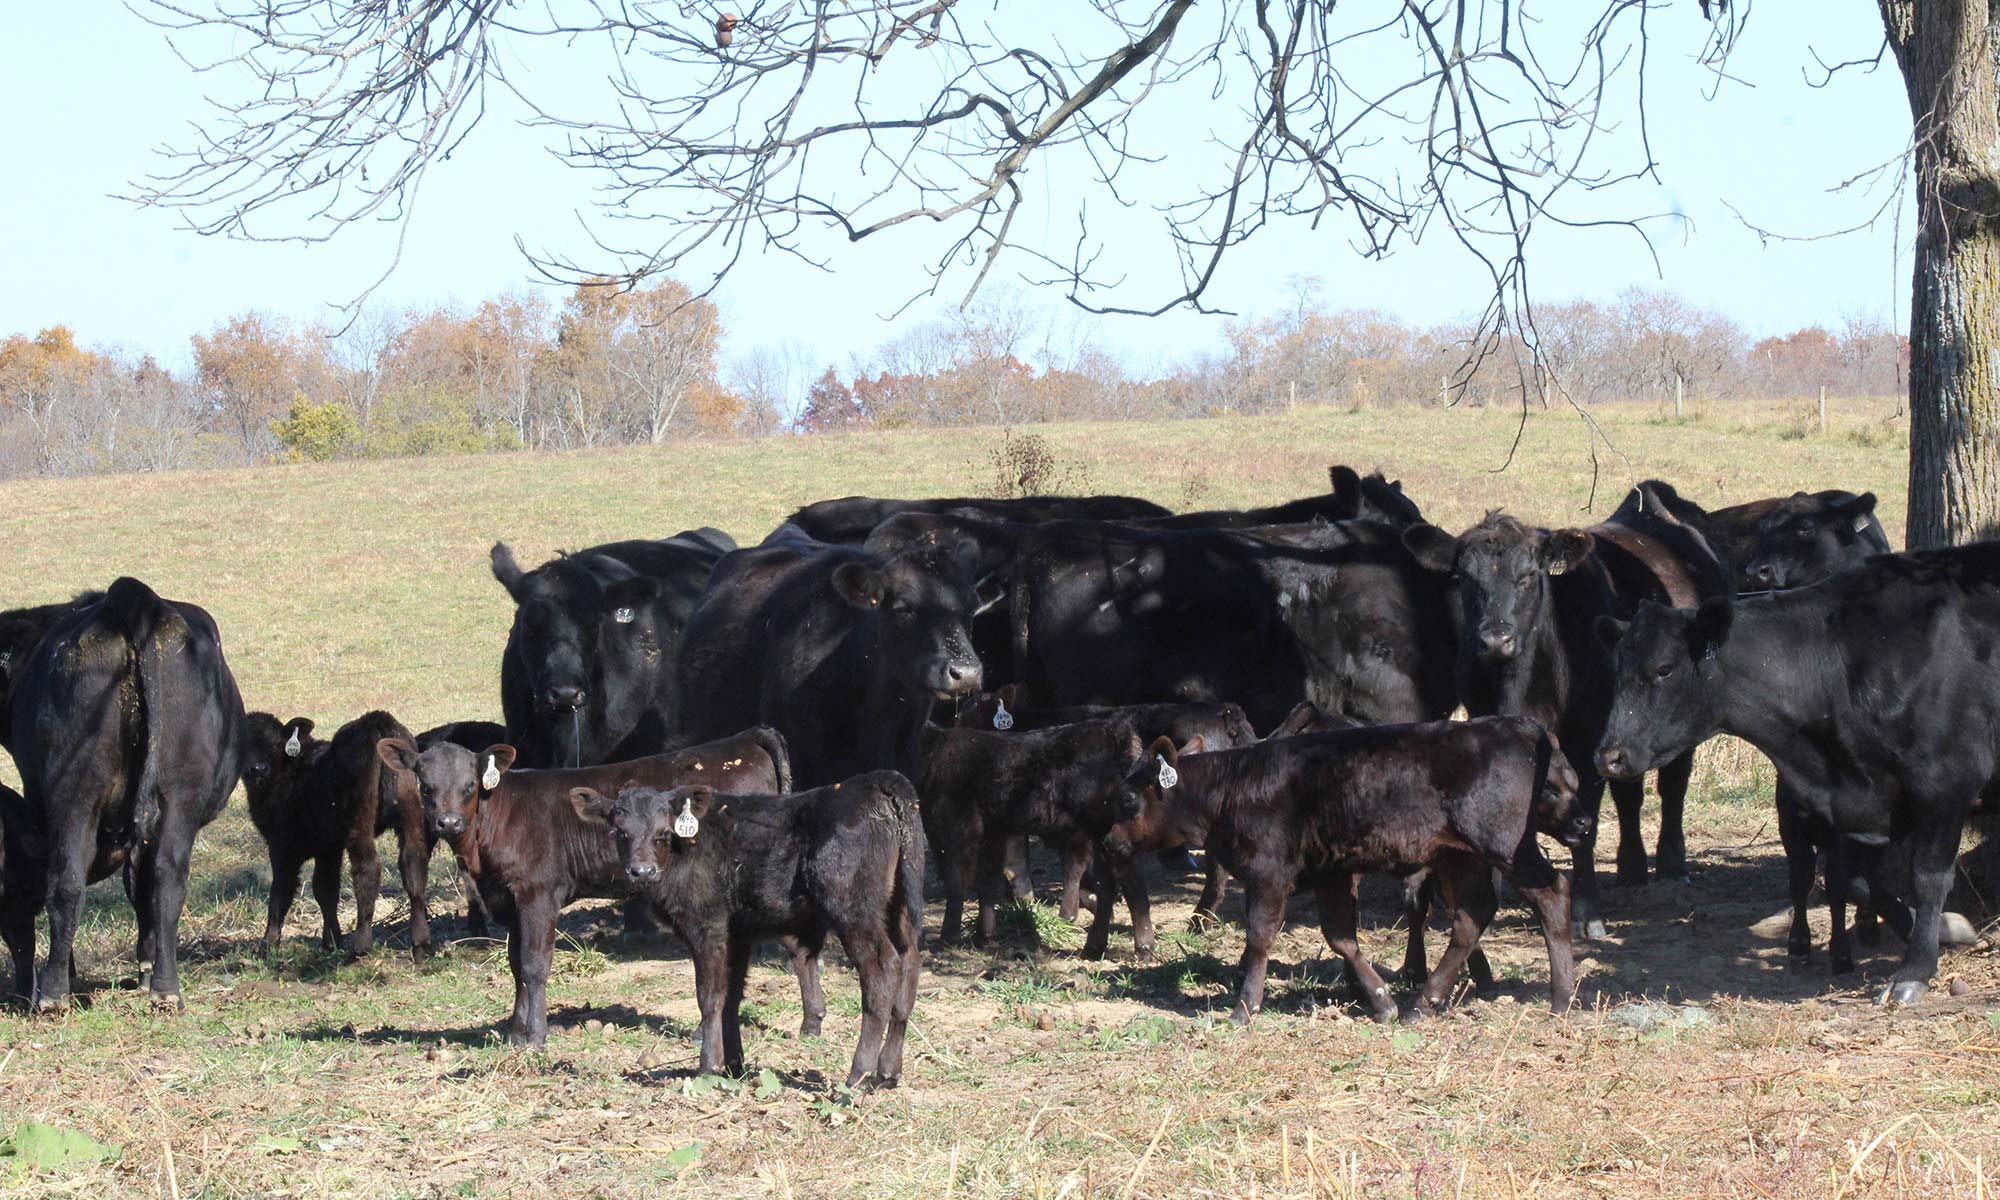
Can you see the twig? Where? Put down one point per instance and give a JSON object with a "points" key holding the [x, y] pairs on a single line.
{"points": [[1147, 1157]]}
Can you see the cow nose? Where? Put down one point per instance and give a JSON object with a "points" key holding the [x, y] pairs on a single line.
{"points": [[963, 677], [643, 872], [452, 823], [566, 697], [1498, 642], [1764, 574], [1613, 762]]}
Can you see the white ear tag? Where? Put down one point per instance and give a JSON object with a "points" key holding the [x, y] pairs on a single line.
{"points": [[491, 779], [1002, 719], [686, 825], [1168, 776], [622, 615], [292, 745], [1860, 526]]}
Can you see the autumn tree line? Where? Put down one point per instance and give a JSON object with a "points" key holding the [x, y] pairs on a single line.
{"points": [[609, 366]]}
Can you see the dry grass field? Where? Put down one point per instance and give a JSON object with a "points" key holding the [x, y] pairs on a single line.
{"points": [[1695, 1064]]}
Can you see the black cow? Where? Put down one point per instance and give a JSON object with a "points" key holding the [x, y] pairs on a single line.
{"points": [[1461, 798], [588, 673], [125, 724], [728, 871], [516, 834], [1353, 496], [313, 801], [850, 519], [981, 788], [1787, 541], [1875, 691], [843, 651], [1219, 726], [417, 838], [1337, 614], [1525, 603]]}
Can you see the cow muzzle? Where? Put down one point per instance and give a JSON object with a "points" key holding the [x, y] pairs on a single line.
{"points": [[565, 698], [1498, 643], [1615, 762], [958, 678], [643, 872], [451, 825]]}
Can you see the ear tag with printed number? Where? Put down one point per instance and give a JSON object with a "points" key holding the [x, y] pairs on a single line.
{"points": [[686, 825], [292, 747], [622, 615], [1558, 567], [1168, 776], [1002, 719], [491, 779]]}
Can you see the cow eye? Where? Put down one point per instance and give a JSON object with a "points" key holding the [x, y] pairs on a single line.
{"points": [[1663, 670]]}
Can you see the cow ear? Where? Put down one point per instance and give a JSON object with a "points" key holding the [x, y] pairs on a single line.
{"points": [[493, 763], [590, 804], [1346, 485], [1710, 627], [1857, 510], [1433, 548], [1565, 549], [1163, 747], [506, 570], [623, 600], [1010, 695], [1609, 630], [697, 800], [1195, 745], [400, 753], [860, 585], [302, 726]]}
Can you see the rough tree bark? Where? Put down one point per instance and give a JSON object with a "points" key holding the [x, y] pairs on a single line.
{"points": [[1947, 52]]}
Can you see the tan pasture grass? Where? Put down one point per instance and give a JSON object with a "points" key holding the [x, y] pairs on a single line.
{"points": [[1033, 1073]]}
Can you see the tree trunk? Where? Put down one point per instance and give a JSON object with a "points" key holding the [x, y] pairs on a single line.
{"points": [[1946, 51]]}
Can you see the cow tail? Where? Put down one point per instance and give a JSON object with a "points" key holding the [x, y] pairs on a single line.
{"points": [[910, 855], [774, 745], [140, 613]]}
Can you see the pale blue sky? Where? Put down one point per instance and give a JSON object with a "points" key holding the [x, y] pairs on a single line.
{"points": [[89, 98]]}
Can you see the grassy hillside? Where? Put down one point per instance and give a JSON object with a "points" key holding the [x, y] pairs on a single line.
{"points": [[352, 586]]}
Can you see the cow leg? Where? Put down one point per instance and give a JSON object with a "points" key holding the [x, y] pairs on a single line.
{"points": [[476, 917], [732, 1006], [1125, 871], [326, 892], [1547, 892], [1213, 888], [1338, 917], [413, 865], [990, 876], [905, 937], [1628, 797], [1936, 848], [1585, 914], [1840, 953], [1466, 885], [139, 890], [1020, 883], [366, 866], [1670, 858], [68, 873], [804, 953], [531, 943], [956, 865], [1795, 833], [165, 883], [880, 969], [1098, 941], [284, 888], [711, 987], [1076, 860], [639, 922], [1418, 891]]}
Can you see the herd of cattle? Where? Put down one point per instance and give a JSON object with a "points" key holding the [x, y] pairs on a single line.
{"points": [[771, 741]]}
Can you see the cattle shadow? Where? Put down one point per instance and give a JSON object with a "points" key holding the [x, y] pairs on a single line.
{"points": [[493, 1033]]}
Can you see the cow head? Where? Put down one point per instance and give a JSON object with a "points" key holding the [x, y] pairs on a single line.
{"points": [[1667, 697], [451, 780], [922, 603], [1558, 811], [1809, 537], [1502, 572], [588, 652], [1370, 497], [651, 828], [1142, 802], [275, 751]]}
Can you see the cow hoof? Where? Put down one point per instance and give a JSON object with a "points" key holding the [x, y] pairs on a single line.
{"points": [[1144, 954], [420, 952], [1902, 992], [167, 1002], [49, 1006], [1387, 1016], [267, 950], [809, 1029], [884, 1083], [1798, 959], [1954, 930], [1239, 1017], [1841, 965]]}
